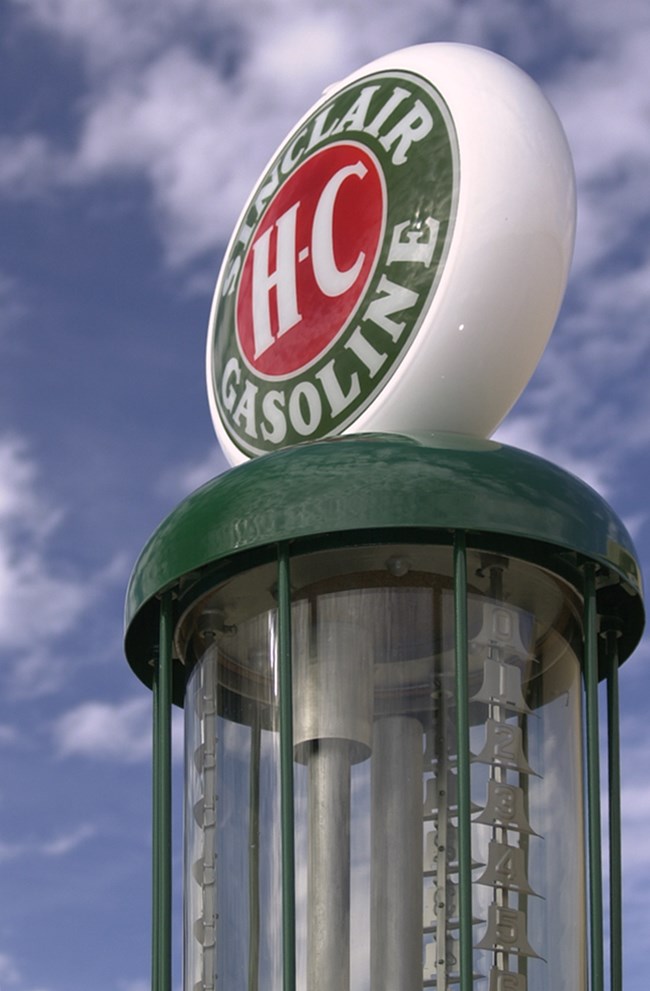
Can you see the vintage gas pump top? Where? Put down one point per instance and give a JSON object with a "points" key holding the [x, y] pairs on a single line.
{"points": [[360, 485]]}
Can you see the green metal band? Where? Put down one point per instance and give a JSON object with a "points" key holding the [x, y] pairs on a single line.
{"points": [[161, 942], [464, 805], [286, 772], [367, 484], [593, 779], [614, 776]]}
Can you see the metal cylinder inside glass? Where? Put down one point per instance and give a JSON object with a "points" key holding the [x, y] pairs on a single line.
{"points": [[376, 772]]}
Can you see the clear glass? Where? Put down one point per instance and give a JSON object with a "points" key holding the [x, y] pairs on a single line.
{"points": [[375, 776], [232, 922]]}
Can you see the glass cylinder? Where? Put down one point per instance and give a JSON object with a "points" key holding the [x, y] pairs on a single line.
{"points": [[375, 776]]}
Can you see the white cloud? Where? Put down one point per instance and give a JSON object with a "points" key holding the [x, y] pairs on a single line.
{"points": [[9, 973], [19, 501], [11, 976], [31, 596], [119, 731], [56, 846], [137, 985], [12, 301], [106, 31], [27, 164], [8, 734], [310, 48], [40, 601], [604, 105], [60, 845], [168, 123], [178, 482]]}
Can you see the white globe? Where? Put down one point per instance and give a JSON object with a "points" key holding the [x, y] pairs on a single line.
{"points": [[506, 264]]}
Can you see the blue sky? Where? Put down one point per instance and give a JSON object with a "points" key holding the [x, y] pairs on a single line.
{"points": [[130, 135]]}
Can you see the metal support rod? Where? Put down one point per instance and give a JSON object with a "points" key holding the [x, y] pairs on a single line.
{"points": [[593, 780], [328, 889], [614, 775], [161, 976], [396, 866], [286, 771], [254, 856], [444, 911], [464, 804]]}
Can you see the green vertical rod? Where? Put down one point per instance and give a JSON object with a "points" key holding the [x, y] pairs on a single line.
{"points": [[593, 781], [161, 843], [286, 771], [464, 807], [614, 781]]}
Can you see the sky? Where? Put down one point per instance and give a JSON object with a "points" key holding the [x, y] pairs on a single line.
{"points": [[130, 136]]}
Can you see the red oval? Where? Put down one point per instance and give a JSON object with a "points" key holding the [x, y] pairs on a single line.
{"points": [[298, 292]]}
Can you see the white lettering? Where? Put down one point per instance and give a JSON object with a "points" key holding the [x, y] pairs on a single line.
{"points": [[396, 299], [397, 96], [305, 408], [283, 278], [267, 190], [331, 280], [337, 399], [318, 132], [355, 118], [412, 127], [272, 409], [294, 153], [245, 232], [231, 276], [419, 245], [365, 352], [231, 372], [246, 409]]}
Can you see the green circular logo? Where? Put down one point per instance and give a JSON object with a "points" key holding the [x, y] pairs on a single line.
{"points": [[335, 263]]}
